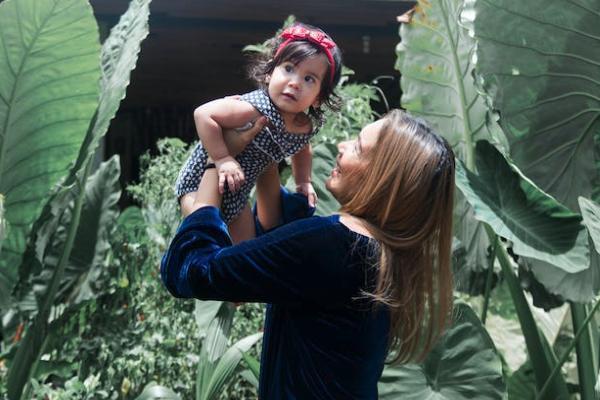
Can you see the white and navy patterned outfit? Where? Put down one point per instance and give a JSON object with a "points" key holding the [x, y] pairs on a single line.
{"points": [[269, 145]]}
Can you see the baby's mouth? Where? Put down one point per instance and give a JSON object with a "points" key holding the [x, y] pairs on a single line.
{"points": [[290, 96]]}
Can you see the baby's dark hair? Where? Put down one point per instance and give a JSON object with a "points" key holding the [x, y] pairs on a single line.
{"points": [[263, 65]]}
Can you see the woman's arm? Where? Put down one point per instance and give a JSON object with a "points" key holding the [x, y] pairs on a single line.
{"points": [[211, 118], [208, 193], [303, 262]]}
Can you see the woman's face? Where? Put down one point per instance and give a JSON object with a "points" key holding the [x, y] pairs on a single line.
{"points": [[352, 158]]}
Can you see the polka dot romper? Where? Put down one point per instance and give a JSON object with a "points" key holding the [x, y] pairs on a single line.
{"points": [[269, 145]]}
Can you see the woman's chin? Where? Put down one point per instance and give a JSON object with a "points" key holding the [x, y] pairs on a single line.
{"points": [[330, 186]]}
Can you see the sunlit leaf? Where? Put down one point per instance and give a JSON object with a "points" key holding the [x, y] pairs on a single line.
{"points": [[546, 91]]}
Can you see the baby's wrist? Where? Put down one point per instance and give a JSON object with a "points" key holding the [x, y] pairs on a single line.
{"points": [[219, 161]]}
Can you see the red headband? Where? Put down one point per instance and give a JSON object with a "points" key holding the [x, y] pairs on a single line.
{"points": [[319, 38]]}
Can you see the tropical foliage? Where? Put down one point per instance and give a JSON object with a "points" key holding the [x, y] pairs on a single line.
{"points": [[520, 111]]}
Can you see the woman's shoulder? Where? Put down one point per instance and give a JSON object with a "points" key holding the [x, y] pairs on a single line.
{"points": [[319, 228]]}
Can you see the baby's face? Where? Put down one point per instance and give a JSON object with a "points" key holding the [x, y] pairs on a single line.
{"points": [[295, 87]]}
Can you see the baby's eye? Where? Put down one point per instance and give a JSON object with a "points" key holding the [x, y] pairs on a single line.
{"points": [[309, 79], [288, 68]]}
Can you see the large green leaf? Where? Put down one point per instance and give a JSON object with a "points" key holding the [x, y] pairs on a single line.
{"points": [[116, 52], [434, 58], [538, 225], [546, 91], [213, 347], [98, 219], [5, 282], [205, 311], [583, 285], [590, 211], [118, 57], [153, 391], [579, 287], [227, 366], [470, 252], [463, 365], [49, 71]]}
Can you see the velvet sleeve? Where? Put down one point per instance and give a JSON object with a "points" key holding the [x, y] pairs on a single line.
{"points": [[301, 262]]}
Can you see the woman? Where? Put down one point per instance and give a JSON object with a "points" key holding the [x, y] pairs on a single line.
{"points": [[344, 291]]}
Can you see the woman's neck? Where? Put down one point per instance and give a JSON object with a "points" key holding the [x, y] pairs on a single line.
{"points": [[355, 224]]}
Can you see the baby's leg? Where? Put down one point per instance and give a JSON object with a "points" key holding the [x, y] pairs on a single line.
{"points": [[242, 227], [186, 203], [268, 199]]}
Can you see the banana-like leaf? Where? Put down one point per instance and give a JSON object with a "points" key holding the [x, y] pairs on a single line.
{"points": [[118, 57], [205, 312], [253, 365], [49, 75], [98, 219], [213, 347], [5, 282], [434, 59], [463, 365], [3, 224], [546, 91], [152, 391], [538, 225], [118, 52], [324, 156], [250, 377], [227, 366]]}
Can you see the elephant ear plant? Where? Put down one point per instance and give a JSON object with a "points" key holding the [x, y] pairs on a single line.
{"points": [[545, 92], [472, 67], [58, 92]]}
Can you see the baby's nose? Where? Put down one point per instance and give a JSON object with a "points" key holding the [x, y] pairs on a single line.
{"points": [[294, 81]]}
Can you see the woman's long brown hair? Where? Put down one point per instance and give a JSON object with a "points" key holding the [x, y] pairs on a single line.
{"points": [[405, 195]]}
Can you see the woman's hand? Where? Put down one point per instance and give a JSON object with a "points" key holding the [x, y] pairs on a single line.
{"points": [[230, 172], [208, 193]]}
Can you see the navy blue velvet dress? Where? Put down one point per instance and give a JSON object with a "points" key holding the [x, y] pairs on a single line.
{"points": [[322, 340]]}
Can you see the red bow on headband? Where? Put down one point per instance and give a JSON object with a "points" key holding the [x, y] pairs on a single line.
{"points": [[317, 37]]}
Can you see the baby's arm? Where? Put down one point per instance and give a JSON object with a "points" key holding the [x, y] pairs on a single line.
{"points": [[302, 169], [211, 120]]}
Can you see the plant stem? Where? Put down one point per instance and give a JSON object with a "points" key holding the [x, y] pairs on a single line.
{"points": [[539, 351], [488, 281], [31, 346], [565, 355], [585, 353]]}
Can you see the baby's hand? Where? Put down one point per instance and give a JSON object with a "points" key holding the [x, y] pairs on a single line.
{"points": [[307, 189], [229, 171]]}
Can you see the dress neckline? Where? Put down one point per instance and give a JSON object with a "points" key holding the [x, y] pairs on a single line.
{"points": [[338, 219]]}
